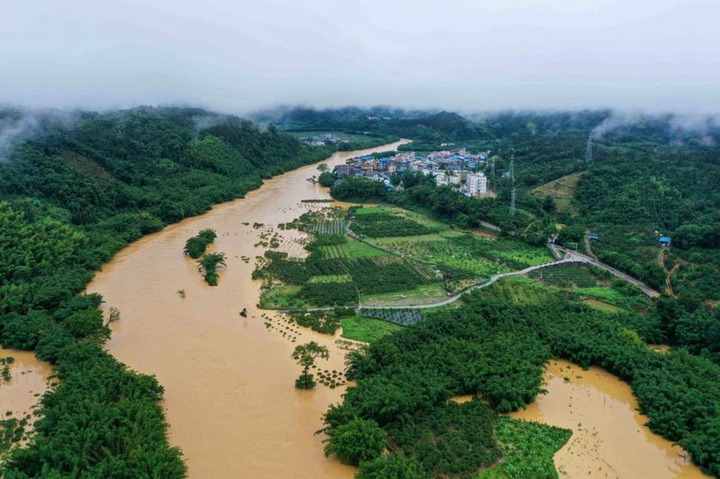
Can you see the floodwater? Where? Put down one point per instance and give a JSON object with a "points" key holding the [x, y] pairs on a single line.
{"points": [[229, 380], [609, 437], [29, 381]]}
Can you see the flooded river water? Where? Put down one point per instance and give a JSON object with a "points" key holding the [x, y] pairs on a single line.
{"points": [[28, 381], [609, 438], [229, 380]]}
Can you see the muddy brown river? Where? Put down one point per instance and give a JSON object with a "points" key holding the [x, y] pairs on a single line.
{"points": [[229, 380]]}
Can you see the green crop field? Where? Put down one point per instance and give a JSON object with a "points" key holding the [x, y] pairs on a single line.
{"points": [[367, 330], [623, 298], [424, 294], [331, 278], [565, 276], [351, 249]]}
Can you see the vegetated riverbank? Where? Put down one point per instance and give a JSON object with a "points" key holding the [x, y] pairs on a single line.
{"points": [[609, 438], [229, 395], [23, 383]]}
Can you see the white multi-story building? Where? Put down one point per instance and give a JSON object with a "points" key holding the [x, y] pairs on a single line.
{"points": [[443, 178], [476, 184]]}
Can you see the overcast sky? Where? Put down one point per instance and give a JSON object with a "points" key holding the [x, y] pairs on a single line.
{"points": [[468, 55]]}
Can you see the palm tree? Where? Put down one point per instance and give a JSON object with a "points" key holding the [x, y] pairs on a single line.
{"points": [[208, 263]]}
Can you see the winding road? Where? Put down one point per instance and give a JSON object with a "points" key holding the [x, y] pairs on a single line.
{"points": [[568, 257]]}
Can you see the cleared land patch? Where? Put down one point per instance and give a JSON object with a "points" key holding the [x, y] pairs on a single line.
{"points": [[561, 190]]}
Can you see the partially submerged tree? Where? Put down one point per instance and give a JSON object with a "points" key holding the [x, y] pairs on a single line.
{"points": [[305, 355], [208, 264], [195, 246]]}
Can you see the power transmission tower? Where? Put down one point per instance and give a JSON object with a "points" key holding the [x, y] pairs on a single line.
{"points": [[512, 184], [588, 150], [492, 175]]}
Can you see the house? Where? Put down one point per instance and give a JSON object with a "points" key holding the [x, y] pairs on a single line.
{"points": [[442, 178], [593, 237], [342, 170], [665, 240]]}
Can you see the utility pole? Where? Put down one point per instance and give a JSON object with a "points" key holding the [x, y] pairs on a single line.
{"points": [[588, 150]]}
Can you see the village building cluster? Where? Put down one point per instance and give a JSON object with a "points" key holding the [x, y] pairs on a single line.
{"points": [[458, 168]]}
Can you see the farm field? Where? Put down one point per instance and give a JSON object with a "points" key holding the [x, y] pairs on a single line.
{"points": [[591, 286], [566, 276], [367, 330], [352, 248], [405, 259], [424, 294]]}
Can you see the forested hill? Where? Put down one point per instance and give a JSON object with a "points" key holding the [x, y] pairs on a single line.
{"points": [[424, 126], [74, 189]]}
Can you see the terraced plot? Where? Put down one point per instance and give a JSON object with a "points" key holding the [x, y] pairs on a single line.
{"points": [[352, 248]]}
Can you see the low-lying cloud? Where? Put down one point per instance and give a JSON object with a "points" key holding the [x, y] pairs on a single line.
{"points": [[458, 55]]}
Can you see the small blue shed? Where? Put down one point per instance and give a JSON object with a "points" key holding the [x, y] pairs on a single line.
{"points": [[593, 237], [665, 240]]}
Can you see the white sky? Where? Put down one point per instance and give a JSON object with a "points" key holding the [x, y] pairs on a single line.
{"points": [[468, 55]]}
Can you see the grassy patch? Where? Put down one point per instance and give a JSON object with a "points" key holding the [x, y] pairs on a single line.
{"points": [[602, 306], [561, 190], [360, 328], [612, 296], [528, 449], [280, 297]]}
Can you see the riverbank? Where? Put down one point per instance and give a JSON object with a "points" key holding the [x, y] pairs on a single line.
{"points": [[229, 395], [609, 437]]}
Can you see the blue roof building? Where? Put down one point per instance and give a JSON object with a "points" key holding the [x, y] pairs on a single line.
{"points": [[665, 240]]}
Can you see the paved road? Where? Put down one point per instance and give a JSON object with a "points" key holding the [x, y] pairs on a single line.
{"points": [[484, 284], [579, 257], [569, 257]]}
